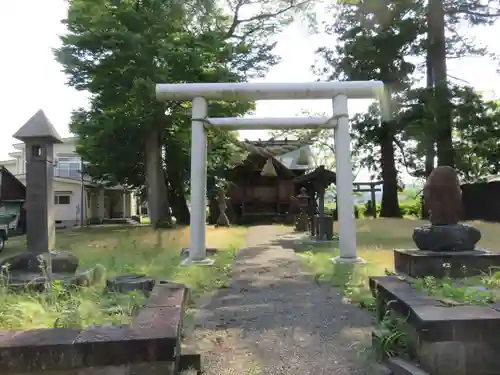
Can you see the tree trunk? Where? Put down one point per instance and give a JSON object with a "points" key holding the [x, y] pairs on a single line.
{"points": [[178, 201], [430, 138], [390, 204], [175, 166], [157, 194], [437, 38]]}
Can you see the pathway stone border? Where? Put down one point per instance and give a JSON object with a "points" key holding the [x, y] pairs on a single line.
{"points": [[152, 338]]}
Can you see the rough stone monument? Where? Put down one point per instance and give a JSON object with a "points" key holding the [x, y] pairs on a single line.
{"points": [[40, 261], [443, 198], [444, 241]]}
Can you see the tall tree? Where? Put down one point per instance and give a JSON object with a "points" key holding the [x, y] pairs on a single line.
{"points": [[374, 40], [118, 50], [444, 18], [435, 34], [476, 131]]}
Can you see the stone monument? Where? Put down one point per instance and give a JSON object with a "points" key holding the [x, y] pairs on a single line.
{"points": [[444, 241], [443, 199], [40, 261]]}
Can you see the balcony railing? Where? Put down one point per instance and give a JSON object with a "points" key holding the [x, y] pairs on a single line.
{"points": [[67, 173]]}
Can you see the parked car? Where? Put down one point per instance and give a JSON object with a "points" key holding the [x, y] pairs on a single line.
{"points": [[10, 219], [5, 222]]}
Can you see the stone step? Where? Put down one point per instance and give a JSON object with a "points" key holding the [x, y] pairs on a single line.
{"points": [[400, 366]]}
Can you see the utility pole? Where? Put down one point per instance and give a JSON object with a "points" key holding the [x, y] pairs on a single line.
{"points": [[82, 195]]}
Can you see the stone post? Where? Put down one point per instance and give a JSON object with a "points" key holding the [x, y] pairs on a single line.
{"points": [[302, 221]]}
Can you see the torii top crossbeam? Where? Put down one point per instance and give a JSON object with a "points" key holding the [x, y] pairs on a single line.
{"points": [[270, 91]]}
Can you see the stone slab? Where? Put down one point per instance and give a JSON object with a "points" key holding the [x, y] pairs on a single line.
{"points": [[153, 336], [419, 263], [400, 366], [434, 320], [167, 294], [458, 340], [150, 368]]}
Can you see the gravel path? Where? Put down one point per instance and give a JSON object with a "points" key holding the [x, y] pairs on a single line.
{"points": [[274, 319]]}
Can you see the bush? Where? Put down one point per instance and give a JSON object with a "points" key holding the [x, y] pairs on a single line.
{"points": [[358, 212], [411, 208], [408, 208]]}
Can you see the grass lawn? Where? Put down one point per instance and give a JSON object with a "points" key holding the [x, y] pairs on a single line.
{"points": [[118, 250], [376, 239]]}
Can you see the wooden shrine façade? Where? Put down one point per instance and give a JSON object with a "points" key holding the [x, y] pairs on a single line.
{"points": [[264, 188]]}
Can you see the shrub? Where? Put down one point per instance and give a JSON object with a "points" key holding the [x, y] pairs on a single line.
{"points": [[411, 208]]}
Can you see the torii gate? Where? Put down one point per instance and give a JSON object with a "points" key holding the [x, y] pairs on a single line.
{"points": [[339, 92]]}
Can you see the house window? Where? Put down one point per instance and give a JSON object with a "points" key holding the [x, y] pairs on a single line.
{"points": [[68, 167], [62, 199]]}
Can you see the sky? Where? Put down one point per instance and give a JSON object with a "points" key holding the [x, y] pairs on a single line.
{"points": [[31, 79]]}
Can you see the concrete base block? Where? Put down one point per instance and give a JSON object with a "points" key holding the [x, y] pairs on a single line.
{"points": [[203, 262], [341, 260]]}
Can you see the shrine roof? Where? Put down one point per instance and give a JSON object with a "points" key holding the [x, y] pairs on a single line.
{"points": [[319, 174]]}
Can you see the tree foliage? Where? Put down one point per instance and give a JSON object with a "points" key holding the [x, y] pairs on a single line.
{"points": [[385, 40], [119, 50], [476, 131]]}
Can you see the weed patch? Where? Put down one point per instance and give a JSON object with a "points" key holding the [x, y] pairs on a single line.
{"points": [[116, 250]]}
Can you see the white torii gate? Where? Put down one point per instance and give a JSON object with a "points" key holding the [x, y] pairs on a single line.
{"points": [[339, 92]]}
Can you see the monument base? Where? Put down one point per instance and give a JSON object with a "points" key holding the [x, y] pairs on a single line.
{"points": [[21, 281], [455, 264], [35, 271], [27, 261]]}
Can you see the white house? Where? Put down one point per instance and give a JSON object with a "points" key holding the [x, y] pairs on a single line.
{"points": [[99, 202]]}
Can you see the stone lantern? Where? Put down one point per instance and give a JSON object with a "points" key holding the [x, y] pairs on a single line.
{"points": [[39, 137], [302, 221]]}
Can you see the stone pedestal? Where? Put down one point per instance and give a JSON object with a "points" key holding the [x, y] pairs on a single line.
{"points": [[455, 237], [302, 219], [420, 263], [327, 234]]}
